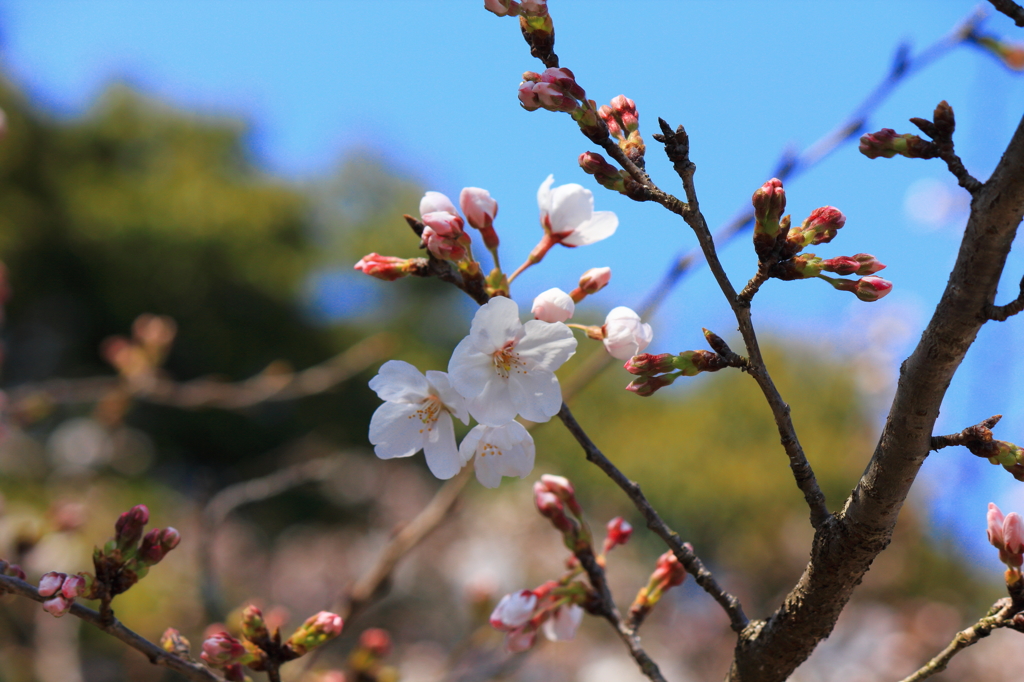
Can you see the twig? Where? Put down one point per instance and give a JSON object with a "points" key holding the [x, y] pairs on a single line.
{"points": [[999, 313], [205, 393], [1004, 617], [1010, 9], [610, 612], [737, 619], [971, 436], [114, 627]]}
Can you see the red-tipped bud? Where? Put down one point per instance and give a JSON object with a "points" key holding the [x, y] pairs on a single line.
{"points": [[647, 386], [221, 649], [480, 210], [887, 143], [842, 265], [647, 364], [872, 288], [51, 583], [156, 544], [563, 489], [442, 247], [668, 572], [317, 629], [605, 173], [565, 80], [387, 268], [254, 628], [619, 532], [129, 526], [514, 610], [869, 265], [74, 586], [57, 606], [769, 203]]}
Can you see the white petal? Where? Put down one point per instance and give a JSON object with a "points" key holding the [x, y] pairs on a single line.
{"points": [[469, 370], [621, 313], [453, 401], [518, 448], [553, 305], [468, 446], [563, 624], [546, 345], [601, 226], [495, 324], [494, 406], [442, 456], [487, 472], [398, 381], [536, 394], [435, 201], [572, 205], [544, 195], [395, 430]]}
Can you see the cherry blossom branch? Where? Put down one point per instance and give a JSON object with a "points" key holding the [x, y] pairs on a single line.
{"points": [[445, 271], [606, 608], [971, 436], [1001, 615], [112, 626], [1010, 9], [733, 609], [203, 393], [999, 313]]}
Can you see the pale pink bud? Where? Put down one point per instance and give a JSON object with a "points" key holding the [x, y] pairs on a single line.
{"points": [[527, 97], [535, 7], [435, 201], [74, 586], [443, 223], [619, 532], [624, 334], [869, 265], [595, 279], [377, 641], [222, 649], [57, 606], [478, 206], [872, 288], [553, 305], [51, 583], [553, 98], [563, 623], [565, 80], [499, 7], [1013, 533], [514, 610], [995, 526], [520, 640], [387, 268], [563, 489]]}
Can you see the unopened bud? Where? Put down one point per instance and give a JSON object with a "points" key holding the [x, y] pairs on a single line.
{"points": [[480, 210], [12, 570], [605, 173], [317, 629], [57, 606], [647, 364], [502, 7], [769, 203], [619, 532], [869, 265], [514, 610], [387, 268], [74, 586], [51, 583], [173, 642], [648, 385], [872, 288], [553, 305], [377, 641], [563, 489], [887, 143], [129, 526], [693, 362], [592, 281], [436, 201], [156, 544], [841, 265], [254, 628]]}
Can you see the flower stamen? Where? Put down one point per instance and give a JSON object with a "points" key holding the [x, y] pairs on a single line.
{"points": [[506, 360]]}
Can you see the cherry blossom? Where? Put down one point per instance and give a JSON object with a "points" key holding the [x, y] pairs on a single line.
{"points": [[417, 414], [624, 334], [563, 623], [504, 367], [553, 305], [567, 213], [435, 201], [505, 450], [514, 610]]}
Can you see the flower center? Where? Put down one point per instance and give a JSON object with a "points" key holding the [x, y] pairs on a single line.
{"points": [[429, 412], [507, 361], [489, 449]]}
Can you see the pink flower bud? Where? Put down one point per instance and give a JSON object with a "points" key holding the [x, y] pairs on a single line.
{"points": [[563, 623], [443, 223], [254, 628], [74, 586], [872, 288], [221, 649], [377, 641], [619, 532], [624, 334], [995, 526], [769, 203], [12, 570], [595, 279], [51, 583], [534, 7], [869, 265], [553, 305], [1013, 533], [128, 528], [443, 248], [668, 572], [387, 268], [887, 144], [479, 208], [317, 629], [822, 225], [502, 7], [625, 109], [156, 544], [435, 201], [565, 80], [841, 265], [647, 364], [646, 386], [553, 97], [514, 610], [57, 606], [527, 97]]}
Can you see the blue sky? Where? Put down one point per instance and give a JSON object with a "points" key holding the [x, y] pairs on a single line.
{"points": [[432, 86]]}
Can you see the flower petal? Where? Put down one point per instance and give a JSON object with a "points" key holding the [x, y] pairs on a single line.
{"points": [[518, 448], [469, 370], [544, 196], [536, 394], [399, 382], [571, 206], [494, 406], [563, 624], [453, 401], [601, 226], [442, 456], [435, 201], [395, 430], [495, 324], [470, 442], [546, 345]]}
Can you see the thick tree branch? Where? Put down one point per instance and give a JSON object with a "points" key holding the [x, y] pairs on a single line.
{"points": [[846, 545], [694, 566], [1010, 9], [113, 627]]}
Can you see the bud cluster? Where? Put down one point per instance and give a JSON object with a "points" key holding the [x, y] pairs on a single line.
{"points": [[887, 143], [607, 175], [555, 89], [778, 245], [137, 359], [553, 495], [623, 123], [1007, 535], [657, 371], [668, 573], [61, 590], [554, 607], [259, 649]]}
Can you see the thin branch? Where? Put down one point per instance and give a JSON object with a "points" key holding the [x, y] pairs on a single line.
{"points": [[959, 171], [114, 627], [1003, 617], [1010, 9], [737, 619], [971, 436], [999, 313], [206, 393], [610, 612]]}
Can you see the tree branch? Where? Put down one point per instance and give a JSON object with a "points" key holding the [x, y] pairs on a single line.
{"points": [[694, 566], [1010, 9], [1000, 313], [972, 435], [113, 627]]}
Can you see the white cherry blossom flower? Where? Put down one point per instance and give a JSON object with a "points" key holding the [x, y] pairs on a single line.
{"points": [[435, 201], [417, 414], [553, 305], [514, 610], [567, 212], [504, 367], [505, 450], [624, 334], [563, 623]]}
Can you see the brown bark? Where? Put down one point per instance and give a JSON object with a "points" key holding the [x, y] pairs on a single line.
{"points": [[848, 542]]}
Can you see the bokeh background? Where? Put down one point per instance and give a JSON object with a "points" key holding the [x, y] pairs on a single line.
{"points": [[224, 164]]}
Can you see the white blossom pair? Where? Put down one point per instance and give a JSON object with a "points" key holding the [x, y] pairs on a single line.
{"points": [[502, 369]]}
